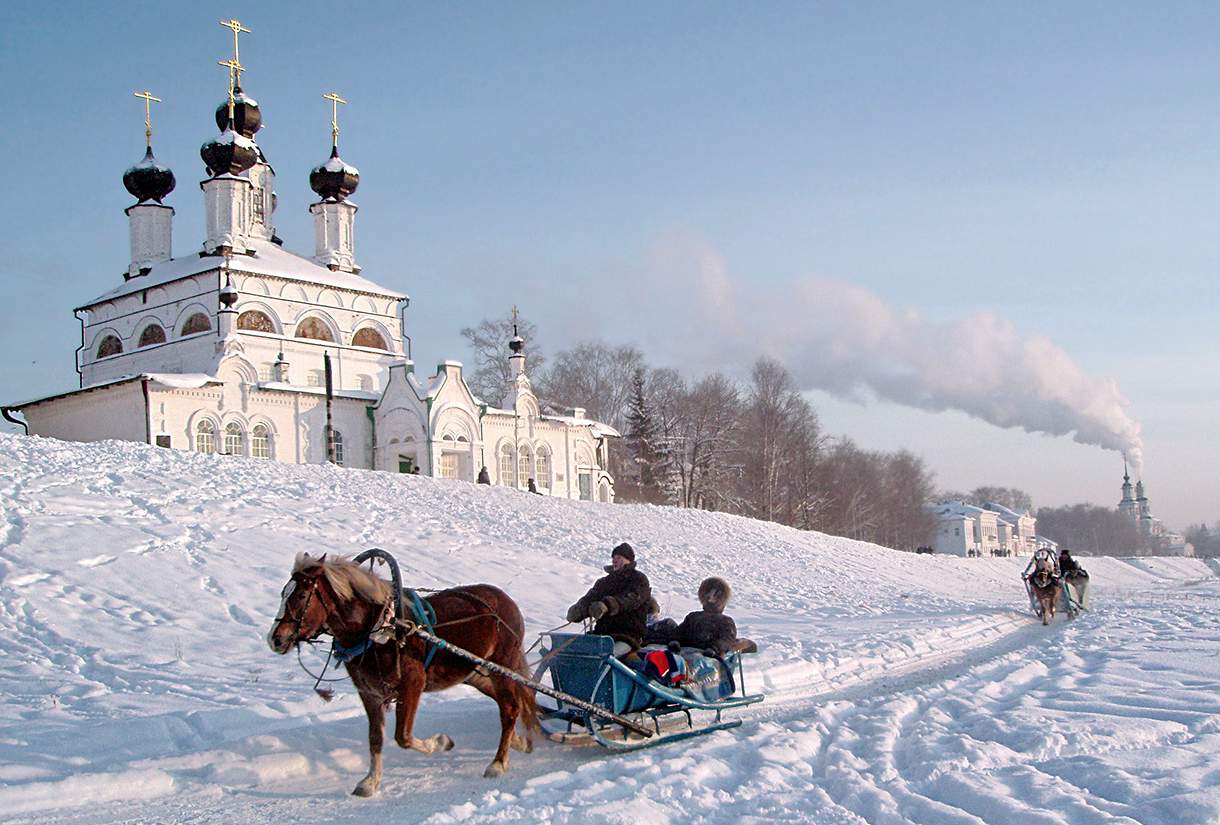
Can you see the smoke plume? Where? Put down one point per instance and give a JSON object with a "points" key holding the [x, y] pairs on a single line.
{"points": [[846, 340]]}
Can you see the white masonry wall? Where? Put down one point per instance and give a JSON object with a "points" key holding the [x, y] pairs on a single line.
{"points": [[114, 412], [168, 306], [343, 312]]}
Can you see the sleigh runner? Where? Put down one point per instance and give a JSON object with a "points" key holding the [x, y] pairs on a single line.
{"points": [[583, 666]]}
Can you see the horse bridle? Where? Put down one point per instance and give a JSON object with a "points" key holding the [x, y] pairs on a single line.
{"points": [[304, 611]]}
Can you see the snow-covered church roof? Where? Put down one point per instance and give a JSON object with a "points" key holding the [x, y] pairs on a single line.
{"points": [[267, 259]]}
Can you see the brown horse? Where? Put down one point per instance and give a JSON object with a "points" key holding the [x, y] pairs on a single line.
{"points": [[339, 597], [1044, 584]]}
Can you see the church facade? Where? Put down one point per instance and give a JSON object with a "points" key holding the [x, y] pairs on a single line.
{"points": [[1136, 507], [244, 348]]}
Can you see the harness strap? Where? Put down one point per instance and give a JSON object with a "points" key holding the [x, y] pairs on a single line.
{"points": [[425, 616], [346, 654]]}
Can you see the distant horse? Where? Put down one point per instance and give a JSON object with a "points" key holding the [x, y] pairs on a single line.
{"points": [[339, 597], [1044, 585]]}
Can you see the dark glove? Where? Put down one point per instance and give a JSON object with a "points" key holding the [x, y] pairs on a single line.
{"points": [[576, 612], [597, 610]]}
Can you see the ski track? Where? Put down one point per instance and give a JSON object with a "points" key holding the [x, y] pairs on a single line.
{"points": [[136, 585]]}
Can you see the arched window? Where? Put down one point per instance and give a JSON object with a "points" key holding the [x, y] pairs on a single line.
{"points": [[205, 437], [542, 468], [255, 321], [196, 323], [507, 471], [336, 446], [152, 334], [233, 439], [110, 345], [260, 442], [524, 466], [368, 337], [314, 329]]}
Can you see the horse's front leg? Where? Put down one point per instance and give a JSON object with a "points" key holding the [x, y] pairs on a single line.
{"points": [[409, 690], [375, 710]]}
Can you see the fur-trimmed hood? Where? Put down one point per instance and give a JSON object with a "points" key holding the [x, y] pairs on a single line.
{"points": [[714, 594]]}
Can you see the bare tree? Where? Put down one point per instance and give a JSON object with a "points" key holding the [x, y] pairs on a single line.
{"points": [[488, 377], [775, 422], [806, 496], [709, 444], [1091, 530], [595, 376], [1017, 500]]}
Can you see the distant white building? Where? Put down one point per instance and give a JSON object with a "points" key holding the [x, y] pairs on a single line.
{"points": [[1018, 531], [966, 530], [225, 349]]}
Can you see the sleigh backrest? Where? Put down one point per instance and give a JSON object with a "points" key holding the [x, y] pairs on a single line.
{"points": [[578, 661]]}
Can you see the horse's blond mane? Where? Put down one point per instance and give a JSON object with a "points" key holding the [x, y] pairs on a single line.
{"points": [[345, 577]]}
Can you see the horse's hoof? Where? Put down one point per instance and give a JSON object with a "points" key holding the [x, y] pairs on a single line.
{"points": [[444, 743], [522, 744], [494, 770], [365, 788]]}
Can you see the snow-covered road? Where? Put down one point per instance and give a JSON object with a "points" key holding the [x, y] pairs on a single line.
{"points": [[136, 585]]}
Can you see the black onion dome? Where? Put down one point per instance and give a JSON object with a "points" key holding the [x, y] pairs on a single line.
{"points": [[335, 179], [516, 343], [149, 180], [228, 153], [247, 118], [228, 295]]}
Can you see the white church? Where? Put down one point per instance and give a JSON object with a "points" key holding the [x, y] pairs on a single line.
{"points": [[224, 350]]}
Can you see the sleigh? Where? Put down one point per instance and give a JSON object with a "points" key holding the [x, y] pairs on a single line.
{"points": [[583, 666]]}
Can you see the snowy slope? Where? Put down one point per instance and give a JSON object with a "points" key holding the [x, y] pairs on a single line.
{"points": [[136, 586]]}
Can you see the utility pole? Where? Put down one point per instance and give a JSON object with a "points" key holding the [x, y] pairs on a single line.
{"points": [[330, 395]]}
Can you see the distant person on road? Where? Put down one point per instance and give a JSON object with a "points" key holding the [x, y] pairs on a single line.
{"points": [[617, 602]]}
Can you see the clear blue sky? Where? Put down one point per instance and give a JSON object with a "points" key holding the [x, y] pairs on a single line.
{"points": [[1057, 166]]}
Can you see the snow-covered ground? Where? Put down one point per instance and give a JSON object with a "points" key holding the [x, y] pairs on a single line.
{"points": [[137, 584]]}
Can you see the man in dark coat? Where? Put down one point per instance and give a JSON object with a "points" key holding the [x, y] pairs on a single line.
{"points": [[617, 602]]}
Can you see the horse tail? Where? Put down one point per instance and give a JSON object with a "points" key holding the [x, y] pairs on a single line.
{"points": [[525, 695]]}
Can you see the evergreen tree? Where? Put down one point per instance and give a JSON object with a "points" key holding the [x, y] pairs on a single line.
{"points": [[641, 436]]}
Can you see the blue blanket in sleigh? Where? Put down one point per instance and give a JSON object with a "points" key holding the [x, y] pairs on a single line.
{"points": [[704, 678]]}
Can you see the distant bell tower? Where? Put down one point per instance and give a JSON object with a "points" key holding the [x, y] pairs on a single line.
{"points": [[518, 382], [1128, 506], [334, 216], [227, 192], [151, 221]]}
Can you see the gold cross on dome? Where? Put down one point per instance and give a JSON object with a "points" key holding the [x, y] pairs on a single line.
{"points": [[149, 100], [335, 100], [234, 73], [237, 28], [514, 319]]}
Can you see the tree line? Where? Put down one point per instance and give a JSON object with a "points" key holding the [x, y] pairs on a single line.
{"points": [[754, 448]]}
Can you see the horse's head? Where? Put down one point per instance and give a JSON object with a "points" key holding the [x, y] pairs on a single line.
{"points": [[302, 614]]}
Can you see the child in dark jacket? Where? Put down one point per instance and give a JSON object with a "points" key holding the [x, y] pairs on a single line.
{"points": [[710, 628]]}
